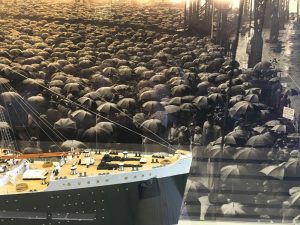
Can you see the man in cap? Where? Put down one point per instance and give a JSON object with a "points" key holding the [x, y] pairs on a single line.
{"points": [[211, 131]]}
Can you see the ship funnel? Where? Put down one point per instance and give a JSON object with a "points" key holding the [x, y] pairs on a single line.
{"points": [[121, 166], [125, 155]]}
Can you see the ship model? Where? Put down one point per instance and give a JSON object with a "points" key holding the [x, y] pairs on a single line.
{"points": [[92, 187]]}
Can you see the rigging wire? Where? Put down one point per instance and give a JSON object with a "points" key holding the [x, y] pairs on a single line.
{"points": [[17, 114], [15, 142], [45, 122], [34, 112], [57, 133], [88, 110], [36, 122], [131, 118]]}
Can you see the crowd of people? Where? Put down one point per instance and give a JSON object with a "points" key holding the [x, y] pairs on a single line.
{"points": [[68, 79], [148, 16]]}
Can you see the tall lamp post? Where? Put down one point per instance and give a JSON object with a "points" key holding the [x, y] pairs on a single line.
{"points": [[274, 32], [222, 7], [184, 15], [250, 17], [257, 39], [297, 11], [212, 20]]}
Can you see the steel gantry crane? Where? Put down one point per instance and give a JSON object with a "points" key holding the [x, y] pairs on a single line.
{"points": [[196, 18]]}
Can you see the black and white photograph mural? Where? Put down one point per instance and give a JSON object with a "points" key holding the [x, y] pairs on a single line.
{"points": [[132, 86]]}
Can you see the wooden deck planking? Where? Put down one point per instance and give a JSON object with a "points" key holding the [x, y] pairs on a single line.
{"points": [[90, 171]]}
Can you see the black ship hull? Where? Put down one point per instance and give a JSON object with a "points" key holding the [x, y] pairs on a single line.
{"points": [[152, 202]]}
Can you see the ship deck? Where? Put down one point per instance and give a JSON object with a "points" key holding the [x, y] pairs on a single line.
{"points": [[65, 172]]}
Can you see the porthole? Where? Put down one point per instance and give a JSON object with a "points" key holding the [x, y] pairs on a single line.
{"points": [[79, 183], [98, 181], [89, 182], [126, 178], [106, 180], [69, 184]]}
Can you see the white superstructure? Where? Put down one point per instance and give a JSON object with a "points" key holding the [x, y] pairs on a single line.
{"points": [[181, 166]]}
